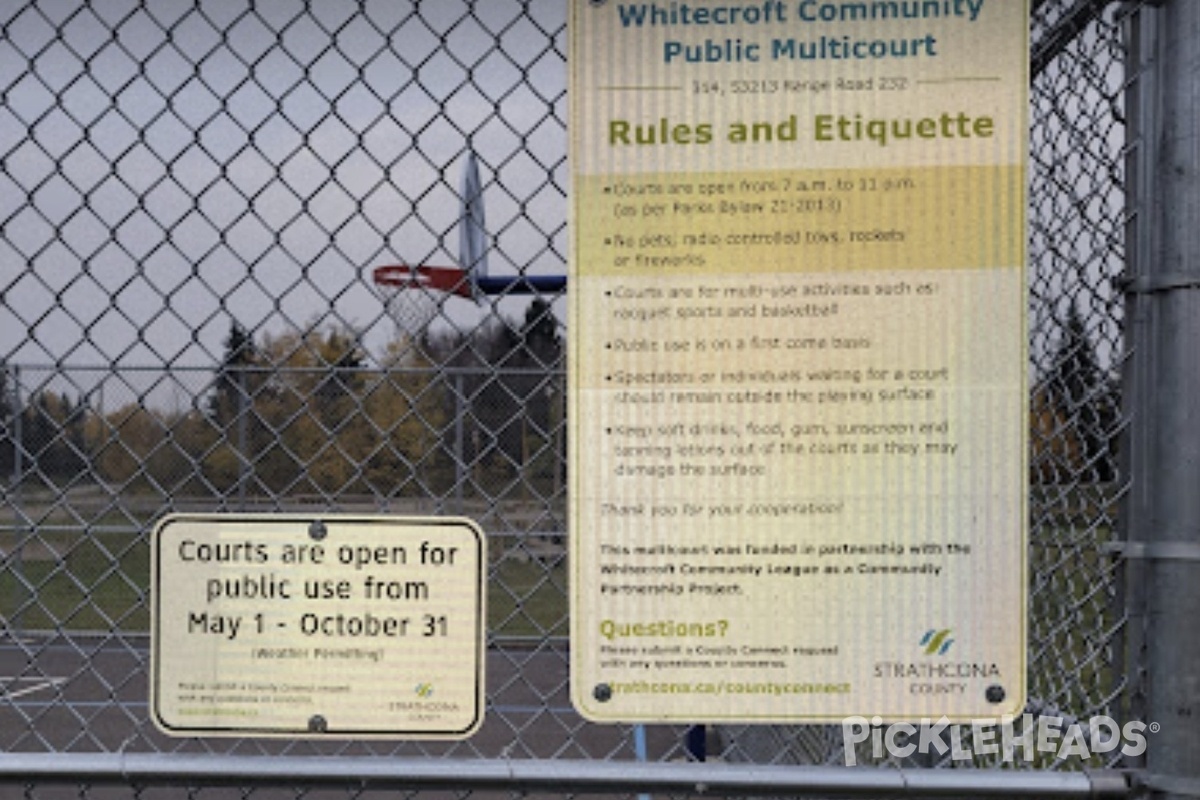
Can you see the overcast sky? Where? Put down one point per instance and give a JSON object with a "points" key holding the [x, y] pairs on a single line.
{"points": [[169, 169]]}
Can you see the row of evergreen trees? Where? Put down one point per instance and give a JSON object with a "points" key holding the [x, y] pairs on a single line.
{"points": [[50, 427], [306, 413]]}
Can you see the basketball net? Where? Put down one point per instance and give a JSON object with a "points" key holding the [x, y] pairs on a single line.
{"points": [[413, 296]]}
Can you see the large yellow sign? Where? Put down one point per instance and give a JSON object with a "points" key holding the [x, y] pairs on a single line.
{"points": [[334, 626], [798, 359]]}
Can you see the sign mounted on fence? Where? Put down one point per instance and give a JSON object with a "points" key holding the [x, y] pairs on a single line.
{"points": [[798, 359], [338, 626]]}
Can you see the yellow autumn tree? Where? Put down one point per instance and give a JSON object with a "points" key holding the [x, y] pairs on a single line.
{"points": [[405, 407], [334, 426]]}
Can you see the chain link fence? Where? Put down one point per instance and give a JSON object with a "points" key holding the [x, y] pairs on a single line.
{"points": [[191, 194]]}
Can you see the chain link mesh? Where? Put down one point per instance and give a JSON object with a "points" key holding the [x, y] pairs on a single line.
{"points": [[191, 194]]}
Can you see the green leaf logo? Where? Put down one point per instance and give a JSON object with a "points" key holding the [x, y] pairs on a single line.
{"points": [[937, 642]]}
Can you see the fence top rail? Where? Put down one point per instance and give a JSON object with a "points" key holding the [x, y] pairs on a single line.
{"points": [[557, 777]]}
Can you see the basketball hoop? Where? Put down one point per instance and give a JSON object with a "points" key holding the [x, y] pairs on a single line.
{"points": [[414, 295]]}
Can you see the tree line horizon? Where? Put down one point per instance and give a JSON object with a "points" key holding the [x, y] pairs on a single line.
{"points": [[305, 413], [479, 412]]}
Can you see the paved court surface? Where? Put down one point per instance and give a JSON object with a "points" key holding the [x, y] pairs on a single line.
{"points": [[89, 693]]}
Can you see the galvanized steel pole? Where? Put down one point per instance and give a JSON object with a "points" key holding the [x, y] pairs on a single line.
{"points": [[1163, 382], [555, 778]]}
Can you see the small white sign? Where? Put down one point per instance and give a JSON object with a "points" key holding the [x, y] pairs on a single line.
{"points": [[326, 626]]}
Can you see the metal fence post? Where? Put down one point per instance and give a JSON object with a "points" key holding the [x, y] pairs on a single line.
{"points": [[15, 430], [243, 451], [20, 526], [460, 468], [1163, 547]]}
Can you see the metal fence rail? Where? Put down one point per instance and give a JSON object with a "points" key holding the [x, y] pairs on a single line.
{"points": [[190, 196], [588, 777]]}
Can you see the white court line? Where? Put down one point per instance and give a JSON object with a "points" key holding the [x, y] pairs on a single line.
{"points": [[45, 683]]}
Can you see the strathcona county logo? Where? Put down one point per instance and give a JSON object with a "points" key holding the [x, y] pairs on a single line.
{"points": [[937, 642], [940, 676], [424, 690]]}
